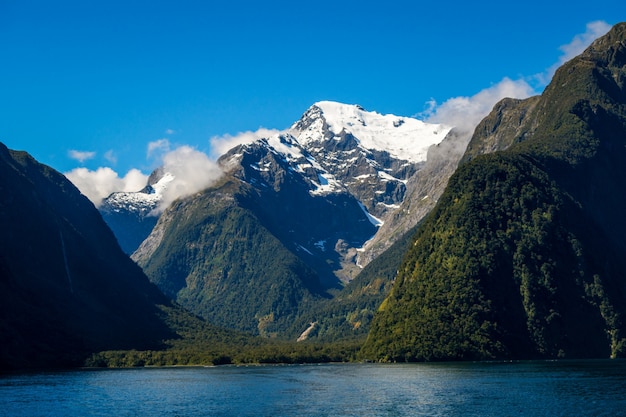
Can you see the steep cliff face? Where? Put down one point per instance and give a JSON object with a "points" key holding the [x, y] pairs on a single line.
{"points": [[522, 256], [423, 190], [505, 125], [66, 287]]}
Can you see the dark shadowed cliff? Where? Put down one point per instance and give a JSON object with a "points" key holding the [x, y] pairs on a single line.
{"points": [[66, 287]]}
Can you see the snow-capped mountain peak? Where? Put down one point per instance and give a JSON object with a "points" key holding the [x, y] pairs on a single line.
{"points": [[141, 202], [286, 145], [342, 148], [161, 185], [403, 138]]}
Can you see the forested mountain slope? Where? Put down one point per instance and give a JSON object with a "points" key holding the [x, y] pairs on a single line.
{"points": [[523, 255], [215, 256]]}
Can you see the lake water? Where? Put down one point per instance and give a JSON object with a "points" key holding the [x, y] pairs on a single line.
{"points": [[571, 388]]}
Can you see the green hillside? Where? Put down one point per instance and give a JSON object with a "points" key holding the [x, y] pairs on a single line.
{"points": [[218, 261], [523, 255]]}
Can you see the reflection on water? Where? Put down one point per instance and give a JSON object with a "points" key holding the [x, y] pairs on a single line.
{"points": [[451, 389]]}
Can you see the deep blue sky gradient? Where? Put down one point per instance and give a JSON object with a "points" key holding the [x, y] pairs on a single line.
{"points": [[115, 75]]}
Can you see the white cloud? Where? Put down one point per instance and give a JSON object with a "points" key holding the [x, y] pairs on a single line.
{"points": [[222, 144], [111, 156], [158, 146], [582, 41], [170, 131], [99, 184], [464, 113], [81, 156], [193, 172], [578, 44]]}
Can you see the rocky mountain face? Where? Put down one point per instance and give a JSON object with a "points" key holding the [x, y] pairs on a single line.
{"points": [[66, 287], [522, 257], [371, 155], [423, 190], [131, 215], [317, 192]]}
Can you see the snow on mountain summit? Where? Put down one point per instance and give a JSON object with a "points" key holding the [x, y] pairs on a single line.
{"points": [[143, 201], [402, 137]]}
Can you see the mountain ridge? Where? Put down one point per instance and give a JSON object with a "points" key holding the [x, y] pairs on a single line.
{"points": [[314, 190]]}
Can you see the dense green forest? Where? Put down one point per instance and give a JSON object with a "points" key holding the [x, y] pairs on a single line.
{"points": [[497, 271], [218, 261], [200, 343]]}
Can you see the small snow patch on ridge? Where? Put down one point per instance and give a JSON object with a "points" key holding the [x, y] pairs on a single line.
{"points": [[285, 145], [374, 220]]}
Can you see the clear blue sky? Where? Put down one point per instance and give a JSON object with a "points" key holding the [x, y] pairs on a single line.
{"points": [[109, 77]]}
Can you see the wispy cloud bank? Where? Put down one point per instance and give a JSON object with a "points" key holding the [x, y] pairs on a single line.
{"points": [[80, 156], [464, 113], [158, 146], [193, 172], [111, 156], [578, 44]]}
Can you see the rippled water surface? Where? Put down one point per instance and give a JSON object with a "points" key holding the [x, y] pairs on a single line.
{"points": [[572, 388]]}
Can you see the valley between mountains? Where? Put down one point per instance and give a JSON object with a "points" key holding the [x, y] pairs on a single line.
{"points": [[351, 235]]}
